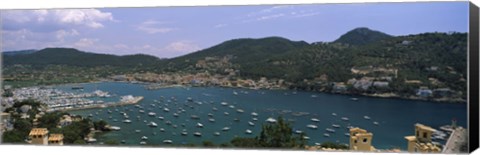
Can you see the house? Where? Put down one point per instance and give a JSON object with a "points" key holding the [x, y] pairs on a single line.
{"points": [[424, 92], [422, 140], [380, 84], [339, 87], [39, 136], [361, 140], [442, 92], [55, 139]]}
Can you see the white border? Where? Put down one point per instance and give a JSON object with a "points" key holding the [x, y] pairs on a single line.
{"points": [[42, 4]]}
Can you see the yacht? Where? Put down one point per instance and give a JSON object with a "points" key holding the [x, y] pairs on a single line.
{"points": [[235, 93], [334, 114], [354, 99], [162, 130], [347, 134], [189, 99], [345, 118], [248, 131], [224, 103], [226, 113], [127, 121], [306, 137], [240, 110], [326, 135], [271, 120], [226, 129], [254, 114], [315, 120], [251, 123], [194, 117], [161, 118], [199, 125], [210, 114], [141, 111], [143, 143], [151, 114], [255, 119], [137, 131], [168, 141], [314, 96], [184, 133], [311, 126], [330, 130], [366, 117], [231, 106], [175, 115], [198, 134], [144, 138], [376, 123], [166, 109], [298, 131], [211, 120], [216, 133], [214, 109], [152, 124], [335, 125]]}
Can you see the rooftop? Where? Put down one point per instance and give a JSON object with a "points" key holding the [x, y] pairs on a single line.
{"points": [[55, 137], [424, 127], [38, 131]]}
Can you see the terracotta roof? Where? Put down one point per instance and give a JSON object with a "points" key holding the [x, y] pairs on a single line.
{"points": [[55, 137], [38, 131], [410, 138], [425, 127]]}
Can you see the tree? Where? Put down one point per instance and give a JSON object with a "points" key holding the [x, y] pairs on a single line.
{"points": [[279, 135], [244, 142], [22, 126], [100, 125], [208, 144], [13, 136], [112, 142], [334, 145]]}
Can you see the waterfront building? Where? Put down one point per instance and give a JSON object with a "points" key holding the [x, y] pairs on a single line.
{"points": [[422, 140], [65, 121], [39, 136], [361, 140], [55, 139]]}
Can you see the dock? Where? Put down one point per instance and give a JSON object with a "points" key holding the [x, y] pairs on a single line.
{"points": [[457, 141], [109, 104]]}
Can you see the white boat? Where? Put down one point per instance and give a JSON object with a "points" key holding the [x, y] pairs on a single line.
{"points": [[313, 96], [199, 125], [216, 133], [198, 134], [175, 115], [334, 114], [251, 123], [162, 130], [114, 128], [166, 109], [194, 117], [210, 114], [211, 120], [189, 99], [184, 133], [315, 120], [354, 99], [143, 143], [144, 138], [231, 106], [161, 118], [152, 124], [345, 118], [248, 131], [141, 111], [255, 119], [224, 103], [366, 117], [298, 131], [326, 135], [137, 131], [226, 113], [335, 125], [235, 93], [271, 120], [168, 141], [226, 129], [347, 134], [311, 126], [214, 109], [240, 110], [330, 130], [306, 137], [254, 114], [151, 114], [127, 121], [376, 123]]}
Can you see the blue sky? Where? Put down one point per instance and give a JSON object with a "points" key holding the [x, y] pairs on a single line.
{"points": [[173, 31]]}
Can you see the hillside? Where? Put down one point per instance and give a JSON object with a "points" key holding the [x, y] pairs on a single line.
{"points": [[362, 36]]}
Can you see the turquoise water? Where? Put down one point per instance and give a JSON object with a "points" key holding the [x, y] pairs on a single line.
{"points": [[396, 117]]}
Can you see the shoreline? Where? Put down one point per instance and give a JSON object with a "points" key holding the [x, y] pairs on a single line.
{"points": [[136, 101]]}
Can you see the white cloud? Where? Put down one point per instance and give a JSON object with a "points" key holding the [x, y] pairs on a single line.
{"points": [[181, 47], [85, 42], [276, 12], [270, 17], [152, 27], [88, 17]]}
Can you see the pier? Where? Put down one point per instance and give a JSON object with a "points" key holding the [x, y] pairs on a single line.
{"points": [[457, 140]]}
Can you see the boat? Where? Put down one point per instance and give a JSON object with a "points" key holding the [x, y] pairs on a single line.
{"points": [[194, 117], [189, 99], [251, 123], [354, 99], [224, 103], [306, 137], [235, 93], [271, 120], [226, 129], [184, 133], [198, 134], [166, 109], [211, 120], [248, 131], [214, 109], [151, 114], [143, 143], [311, 126], [236, 120], [141, 111], [162, 130], [376, 123], [326, 135], [175, 115], [347, 134], [216, 133], [330, 130], [144, 138], [313, 96], [366, 117], [127, 121], [334, 114], [254, 114], [345, 118], [255, 119], [114, 128], [199, 125], [240, 110], [123, 141], [315, 120], [298, 131], [137, 131], [335, 125], [161, 118], [210, 114], [231, 106], [152, 124], [226, 113], [168, 141]]}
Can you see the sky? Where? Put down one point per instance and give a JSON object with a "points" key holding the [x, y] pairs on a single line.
{"points": [[168, 32]]}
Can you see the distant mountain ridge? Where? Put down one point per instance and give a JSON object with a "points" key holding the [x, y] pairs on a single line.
{"points": [[20, 52], [362, 36]]}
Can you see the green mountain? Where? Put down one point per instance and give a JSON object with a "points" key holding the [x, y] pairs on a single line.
{"points": [[21, 52], [74, 57], [362, 36]]}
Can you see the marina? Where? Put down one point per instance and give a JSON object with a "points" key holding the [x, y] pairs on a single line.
{"points": [[262, 107]]}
